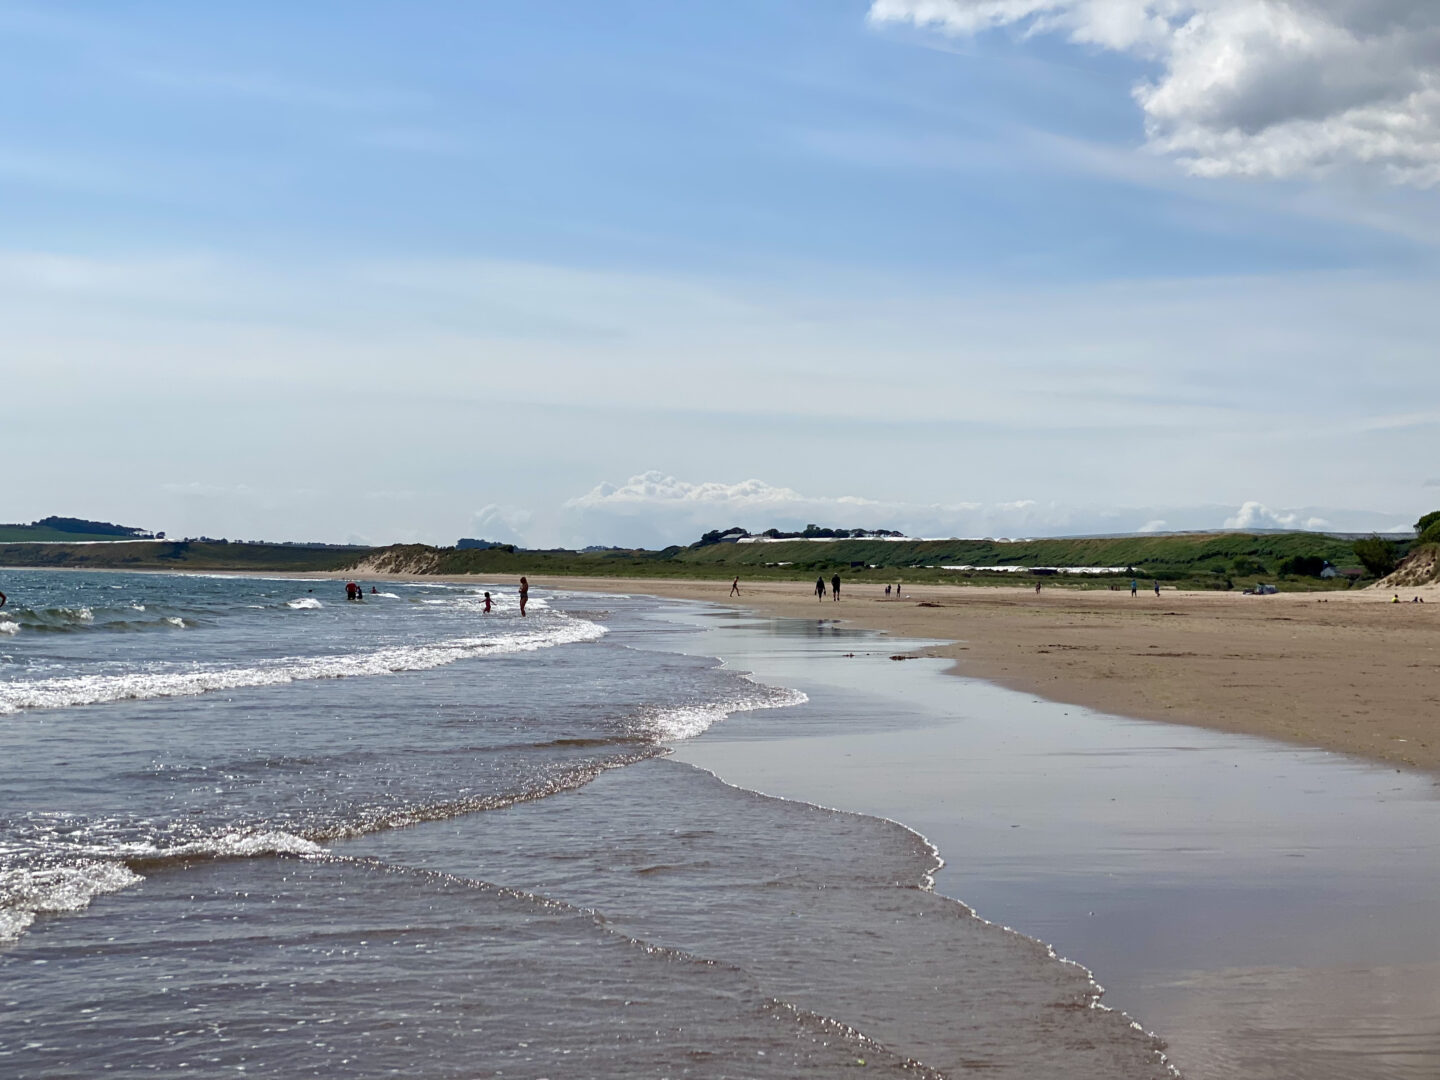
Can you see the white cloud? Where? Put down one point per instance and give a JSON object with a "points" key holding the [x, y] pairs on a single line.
{"points": [[1258, 88], [501, 524], [655, 509], [1256, 515]]}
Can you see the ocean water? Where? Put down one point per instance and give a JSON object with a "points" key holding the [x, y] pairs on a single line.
{"points": [[248, 827]]}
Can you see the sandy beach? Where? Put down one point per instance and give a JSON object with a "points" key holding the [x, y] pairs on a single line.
{"points": [[1349, 672]]}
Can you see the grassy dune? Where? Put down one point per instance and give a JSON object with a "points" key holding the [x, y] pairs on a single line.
{"points": [[1216, 561], [1221, 560]]}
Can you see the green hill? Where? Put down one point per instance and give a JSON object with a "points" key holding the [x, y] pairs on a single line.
{"points": [[176, 555], [62, 529], [1217, 560], [1197, 561]]}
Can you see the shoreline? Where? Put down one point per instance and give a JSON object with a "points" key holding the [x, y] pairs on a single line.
{"points": [[1349, 673], [1209, 883], [1353, 675]]}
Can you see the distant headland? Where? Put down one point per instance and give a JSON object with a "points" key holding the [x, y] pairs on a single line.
{"points": [[1219, 561]]}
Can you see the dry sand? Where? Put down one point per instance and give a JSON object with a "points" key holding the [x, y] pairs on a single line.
{"points": [[1349, 671]]}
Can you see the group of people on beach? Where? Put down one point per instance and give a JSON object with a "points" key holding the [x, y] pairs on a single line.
{"points": [[357, 592], [834, 588]]}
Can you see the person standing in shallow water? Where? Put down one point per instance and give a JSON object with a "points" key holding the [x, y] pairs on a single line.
{"points": [[819, 588], [835, 587], [524, 594], [487, 603]]}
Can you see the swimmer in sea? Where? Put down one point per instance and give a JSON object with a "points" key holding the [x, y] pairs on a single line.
{"points": [[524, 594], [2, 599]]}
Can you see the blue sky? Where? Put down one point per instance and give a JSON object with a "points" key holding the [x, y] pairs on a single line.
{"points": [[579, 273]]}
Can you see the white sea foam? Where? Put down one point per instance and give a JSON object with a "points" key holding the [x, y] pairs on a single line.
{"points": [[8, 627], [28, 892], [679, 722], [138, 685], [236, 845], [175, 620], [304, 603], [25, 893]]}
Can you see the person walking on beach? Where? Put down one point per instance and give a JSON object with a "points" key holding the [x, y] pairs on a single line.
{"points": [[735, 587], [524, 594], [1157, 588], [1037, 588], [835, 587], [897, 592], [1134, 587], [887, 592], [819, 588], [487, 603]]}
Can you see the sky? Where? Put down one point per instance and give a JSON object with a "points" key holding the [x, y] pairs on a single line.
{"points": [[574, 273]]}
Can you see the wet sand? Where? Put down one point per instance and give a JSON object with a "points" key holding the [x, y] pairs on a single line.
{"points": [[1269, 910], [1348, 672]]}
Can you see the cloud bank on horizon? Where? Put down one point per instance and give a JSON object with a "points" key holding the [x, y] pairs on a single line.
{"points": [[1251, 88], [655, 509]]}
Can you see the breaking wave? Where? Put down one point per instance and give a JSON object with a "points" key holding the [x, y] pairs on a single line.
{"points": [[66, 691], [678, 722]]}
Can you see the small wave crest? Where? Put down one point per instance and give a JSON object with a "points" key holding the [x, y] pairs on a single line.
{"points": [[304, 603], [677, 722], [66, 691], [85, 619], [26, 893]]}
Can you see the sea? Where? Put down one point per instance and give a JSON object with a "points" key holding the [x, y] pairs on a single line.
{"points": [[250, 827]]}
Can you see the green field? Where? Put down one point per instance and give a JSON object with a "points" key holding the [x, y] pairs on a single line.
{"points": [[1217, 561], [1196, 561], [14, 534], [174, 555]]}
